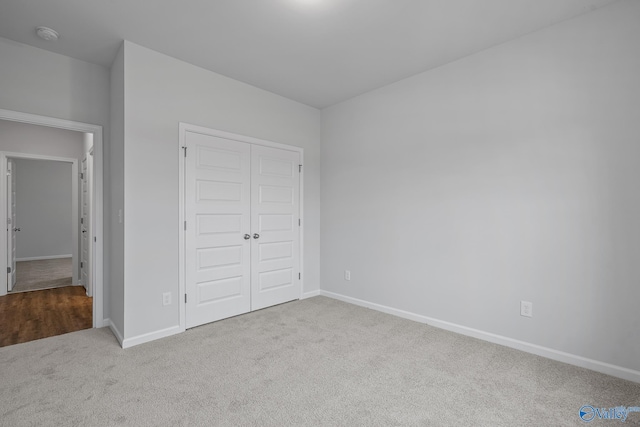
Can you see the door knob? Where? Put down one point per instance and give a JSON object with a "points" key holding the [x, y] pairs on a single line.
{"points": [[247, 237], [256, 236], [16, 229]]}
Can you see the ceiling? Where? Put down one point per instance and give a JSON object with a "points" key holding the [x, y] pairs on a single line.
{"points": [[317, 52]]}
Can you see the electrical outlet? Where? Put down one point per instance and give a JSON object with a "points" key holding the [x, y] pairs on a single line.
{"points": [[526, 309], [347, 275], [166, 298]]}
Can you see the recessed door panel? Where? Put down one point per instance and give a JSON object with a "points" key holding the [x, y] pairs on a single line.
{"points": [[274, 194], [269, 280], [212, 258], [218, 224], [217, 290], [211, 158], [275, 251], [275, 166], [275, 222], [216, 191]]}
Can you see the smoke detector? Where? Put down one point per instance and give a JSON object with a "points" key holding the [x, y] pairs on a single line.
{"points": [[46, 33]]}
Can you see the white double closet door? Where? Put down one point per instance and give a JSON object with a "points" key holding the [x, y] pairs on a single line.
{"points": [[242, 239]]}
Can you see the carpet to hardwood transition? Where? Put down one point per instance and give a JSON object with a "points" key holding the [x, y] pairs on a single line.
{"points": [[29, 316]]}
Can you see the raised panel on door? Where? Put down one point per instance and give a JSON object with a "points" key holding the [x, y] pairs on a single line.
{"points": [[217, 212], [275, 212]]}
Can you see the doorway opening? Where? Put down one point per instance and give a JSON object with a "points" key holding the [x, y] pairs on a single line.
{"points": [[86, 254], [42, 222]]}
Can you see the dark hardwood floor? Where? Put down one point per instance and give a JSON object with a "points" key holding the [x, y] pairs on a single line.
{"points": [[29, 316]]}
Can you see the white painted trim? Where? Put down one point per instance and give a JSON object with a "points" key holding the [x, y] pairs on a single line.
{"points": [[235, 137], [182, 287], [310, 294], [40, 258], [98, 271], [52, 122], [302, 223], [549, 353], [108, 323], [28, 156], [183, 129], [151, 336]]}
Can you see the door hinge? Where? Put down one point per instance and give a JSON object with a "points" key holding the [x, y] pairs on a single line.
{"points": [[8, 270], [81, 176], [185, 151], [81, 220], [299, 276], [299, 168], [95, 239], [81, 264], [185, 226], [299, 223], [185, 298]]}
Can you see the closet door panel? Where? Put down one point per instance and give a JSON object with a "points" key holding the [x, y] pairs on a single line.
{"points": [[217, 211], [275, 214]]}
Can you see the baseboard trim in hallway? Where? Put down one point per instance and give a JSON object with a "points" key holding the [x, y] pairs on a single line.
{"points": [[549, 353], [40, 258]]}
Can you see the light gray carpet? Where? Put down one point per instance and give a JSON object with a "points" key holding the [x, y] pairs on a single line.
{"points": [[42, 274], [312, 362]]}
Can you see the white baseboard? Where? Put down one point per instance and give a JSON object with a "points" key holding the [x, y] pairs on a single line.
{"points": [[114, 330], [549, 353], [310, 294], [151, 336], [39, 258]]}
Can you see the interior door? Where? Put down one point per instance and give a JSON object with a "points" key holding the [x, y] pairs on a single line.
{"points": [[217, 239], [11, 226], [85, 221], [275, 214]]}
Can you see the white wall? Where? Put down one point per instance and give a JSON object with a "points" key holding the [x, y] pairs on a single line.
{"points": [[26, 138], [43, 208], [115, 293], [508, 175], [160, 92], [39, 82], [36, 81]]}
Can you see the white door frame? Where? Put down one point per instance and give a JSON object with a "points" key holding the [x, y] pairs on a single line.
{"points": [[75, 253], [98, 240], [186, 127], [85, 176], [11, 224]]}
